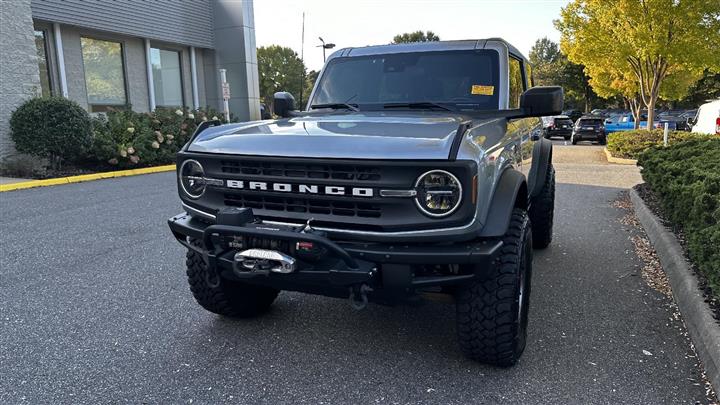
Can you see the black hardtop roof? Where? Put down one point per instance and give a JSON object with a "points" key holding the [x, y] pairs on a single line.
{"points": [[425, 46]]}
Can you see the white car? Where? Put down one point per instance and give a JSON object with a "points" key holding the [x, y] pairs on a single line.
{"points": [[707, 120]]}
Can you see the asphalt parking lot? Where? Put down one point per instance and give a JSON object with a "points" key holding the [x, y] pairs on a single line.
{"points": [[94, 308]]}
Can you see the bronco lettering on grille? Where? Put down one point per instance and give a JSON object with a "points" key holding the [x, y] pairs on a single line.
{"points": [[299, 188]]}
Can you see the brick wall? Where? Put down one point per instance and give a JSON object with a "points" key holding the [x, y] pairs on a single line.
{"points": [[19, 74]]}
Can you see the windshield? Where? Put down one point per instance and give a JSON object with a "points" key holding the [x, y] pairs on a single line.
{"points": [[458, 79]]}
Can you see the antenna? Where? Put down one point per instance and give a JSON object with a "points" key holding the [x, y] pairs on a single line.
{"points": [[302, 60]]}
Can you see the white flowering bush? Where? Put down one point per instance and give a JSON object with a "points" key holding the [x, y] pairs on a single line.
{"points": [[127, 139]]}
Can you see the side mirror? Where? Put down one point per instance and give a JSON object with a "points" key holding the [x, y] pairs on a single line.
{"points": [[283, 104], [543, 100], [691, 120]]}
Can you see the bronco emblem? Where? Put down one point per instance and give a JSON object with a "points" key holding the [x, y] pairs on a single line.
{"points": [[299, 188]]}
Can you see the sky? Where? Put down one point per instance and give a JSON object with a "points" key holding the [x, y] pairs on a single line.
{"points": [[354, 23]]}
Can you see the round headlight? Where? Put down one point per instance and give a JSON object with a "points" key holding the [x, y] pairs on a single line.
{"points": [[438, 193], [192, 178]]}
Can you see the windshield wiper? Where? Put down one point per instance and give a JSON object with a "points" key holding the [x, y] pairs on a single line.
{"points": [[336, 106], [419, 105]]}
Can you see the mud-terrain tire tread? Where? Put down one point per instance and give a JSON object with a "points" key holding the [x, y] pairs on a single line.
{"points": [[488, 327], [230, 298], [542, 212]]}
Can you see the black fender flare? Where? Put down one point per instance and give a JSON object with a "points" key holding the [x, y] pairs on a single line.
{"points": [[510, 192], [542, 158]]}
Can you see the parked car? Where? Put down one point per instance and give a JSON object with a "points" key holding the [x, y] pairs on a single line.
{"points": [[623, 122], [560, 125], [686, 117], [589, 128], [409, 190], [672, 123], [707, 120], [573, 114]]}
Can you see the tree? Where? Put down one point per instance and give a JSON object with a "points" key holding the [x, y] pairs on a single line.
{"points": [[310, 80], [707, 88], [613, 82], [545, 51], [280, 69], [417, 36], [657, 41], [552, 68]]}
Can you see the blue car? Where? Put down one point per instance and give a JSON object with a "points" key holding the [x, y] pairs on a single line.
{"points": [[626, 122], [623, 122]]}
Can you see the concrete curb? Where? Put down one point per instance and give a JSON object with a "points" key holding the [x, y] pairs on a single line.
{"points": [[617, 160], [84, 177], [704, 330]]}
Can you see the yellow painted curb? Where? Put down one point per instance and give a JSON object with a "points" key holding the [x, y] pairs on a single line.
{"points": [[85, 177], [617, 160]]}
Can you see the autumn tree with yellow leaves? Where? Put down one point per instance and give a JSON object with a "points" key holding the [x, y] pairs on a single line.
{"points": [[651, 48]]}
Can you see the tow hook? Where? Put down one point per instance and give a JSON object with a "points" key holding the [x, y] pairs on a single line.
{"points": [[212, 278], [358, 296]]}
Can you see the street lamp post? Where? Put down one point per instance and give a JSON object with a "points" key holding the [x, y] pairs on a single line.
{"points": [[325, 46]]}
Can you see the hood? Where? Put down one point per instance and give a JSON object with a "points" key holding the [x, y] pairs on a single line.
{"points": [[351, 135]]}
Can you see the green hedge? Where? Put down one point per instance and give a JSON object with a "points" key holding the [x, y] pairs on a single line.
{"points": [[686, 178], [54, 128], [630, 144]]}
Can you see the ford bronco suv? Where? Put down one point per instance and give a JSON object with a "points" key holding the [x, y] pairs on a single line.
{"points": [[415, 171]]}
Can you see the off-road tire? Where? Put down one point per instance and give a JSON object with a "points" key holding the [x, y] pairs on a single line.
{"points": [[542, 212], [222, 296], [574, 142], [602, 141], [491, 312]]}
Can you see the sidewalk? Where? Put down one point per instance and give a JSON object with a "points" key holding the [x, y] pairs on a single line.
{"points": [[11, 180]]}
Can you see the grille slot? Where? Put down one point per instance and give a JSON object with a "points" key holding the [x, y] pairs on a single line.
{"points": [[304, 205], [301, 171]]}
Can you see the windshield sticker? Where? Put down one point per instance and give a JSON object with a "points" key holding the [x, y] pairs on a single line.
{"points": [[482, 90]]}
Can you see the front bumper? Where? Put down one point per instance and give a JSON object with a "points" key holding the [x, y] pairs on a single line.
{"points": [[559, 132], [390, 271], [588, 135]]}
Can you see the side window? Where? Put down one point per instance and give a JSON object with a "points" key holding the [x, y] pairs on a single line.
{"points": [[516, 83], [528, 76]]}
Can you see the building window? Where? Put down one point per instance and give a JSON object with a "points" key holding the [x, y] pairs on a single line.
{"points": [[104, 74], [167, 77], [516, 83], [42, 55]]}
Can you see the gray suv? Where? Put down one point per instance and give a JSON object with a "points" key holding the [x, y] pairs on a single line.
{"points": [[416, 171]]}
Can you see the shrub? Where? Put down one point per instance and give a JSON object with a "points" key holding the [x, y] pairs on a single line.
{"points": [[686, 178], [629, 144], [51, 127], [125, 139]]}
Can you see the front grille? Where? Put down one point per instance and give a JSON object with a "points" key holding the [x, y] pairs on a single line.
{"points": [[347, 211], [304, 205], [301, 171]]}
